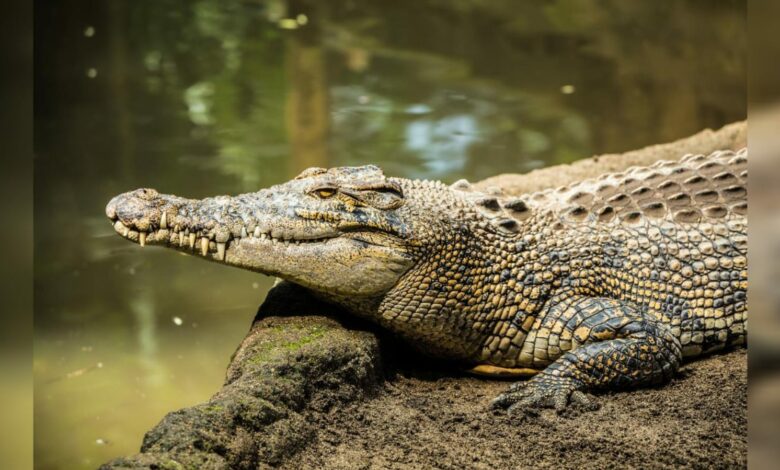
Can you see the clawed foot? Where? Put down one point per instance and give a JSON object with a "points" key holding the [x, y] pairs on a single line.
{"points": [[544, 392]]}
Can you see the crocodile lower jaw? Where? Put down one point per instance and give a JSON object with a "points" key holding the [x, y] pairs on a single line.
{"points": [[183, 239]]}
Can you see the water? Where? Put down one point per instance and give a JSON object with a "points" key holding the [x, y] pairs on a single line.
{"points": [[205, 97]]}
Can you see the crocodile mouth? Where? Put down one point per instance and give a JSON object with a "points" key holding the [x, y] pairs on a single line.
{"points": [[204, 242]]}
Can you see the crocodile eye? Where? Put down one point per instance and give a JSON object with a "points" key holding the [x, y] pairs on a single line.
{"points": [[325, 193]]}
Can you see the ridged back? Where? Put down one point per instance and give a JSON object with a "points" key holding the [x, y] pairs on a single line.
{"points": [[694, 189]]}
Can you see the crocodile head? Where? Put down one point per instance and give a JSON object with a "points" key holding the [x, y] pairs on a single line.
{"points": [[344, 232]]}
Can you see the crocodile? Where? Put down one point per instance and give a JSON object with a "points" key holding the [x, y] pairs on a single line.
{"points": [[605, 284]]}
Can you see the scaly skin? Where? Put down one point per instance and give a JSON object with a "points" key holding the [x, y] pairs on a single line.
{"points": [[604, 284]]}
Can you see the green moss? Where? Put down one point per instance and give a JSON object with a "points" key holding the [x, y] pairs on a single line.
{"points": [[170, 465], [211, 409], [268, 351], [314, 335]]}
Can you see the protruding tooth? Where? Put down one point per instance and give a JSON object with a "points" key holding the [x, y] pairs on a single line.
{"points": [[257, 232], [263, 236], [204, 246], [121, 228], [176, 228], [164, 220], [181, 238], [243, 232], [221, 251], [142, 238], [192, 241]]}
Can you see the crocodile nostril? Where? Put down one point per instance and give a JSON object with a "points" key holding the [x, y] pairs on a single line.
{"points": [[147, 194]]}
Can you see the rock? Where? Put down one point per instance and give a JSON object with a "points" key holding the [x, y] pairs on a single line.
{"points": [[293, 361]]}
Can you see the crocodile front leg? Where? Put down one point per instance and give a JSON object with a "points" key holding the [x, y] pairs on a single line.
{"points": [[612, 346]]}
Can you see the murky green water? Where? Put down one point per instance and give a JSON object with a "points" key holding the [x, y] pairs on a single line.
{"points": [[201, 97]]}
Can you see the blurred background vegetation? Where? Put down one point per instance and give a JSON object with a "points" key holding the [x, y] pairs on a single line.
{"points": [[204, 97]]}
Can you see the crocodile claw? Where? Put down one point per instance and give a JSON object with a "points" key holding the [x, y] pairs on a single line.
{"points": [[544, 392]]}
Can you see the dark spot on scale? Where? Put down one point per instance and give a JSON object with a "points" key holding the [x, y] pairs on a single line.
{"points": [[669, 186], [604, 188], [578, 212], [715, 212], [506, 275], [606, 213], [740, 208], [618, 199], [641, 192], [654, 209], [581, 197], [734, 192], [708, 166], [688, 216], [517, 205], [707, 195], [724, 177], [680, 199], [632, 217], [490, 203], [695, 180], [508, 224]]}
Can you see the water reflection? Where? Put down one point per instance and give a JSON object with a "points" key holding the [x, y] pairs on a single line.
{"points": [[203, 97]]}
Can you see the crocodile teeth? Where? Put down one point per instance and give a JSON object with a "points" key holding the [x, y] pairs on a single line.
{"points": [[243, 232], [181, 238], [204, 246], [221, 251], [142, 238], [257, 232], [120, 227], [164, 220], [192, 241]]}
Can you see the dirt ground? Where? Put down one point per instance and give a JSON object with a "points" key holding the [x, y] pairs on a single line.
{"points": [[427, 420]]}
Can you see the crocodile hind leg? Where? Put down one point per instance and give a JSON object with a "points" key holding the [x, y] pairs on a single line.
{"points": [[612, 346]]}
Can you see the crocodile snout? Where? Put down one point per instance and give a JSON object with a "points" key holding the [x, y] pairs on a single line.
{"points": [[135, 212], [131, 205]]}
